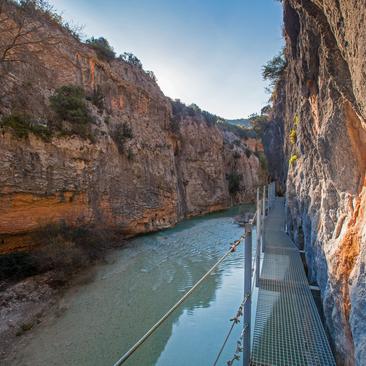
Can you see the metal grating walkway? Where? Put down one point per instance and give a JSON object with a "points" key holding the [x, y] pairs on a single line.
{"points": [[288, 329]]}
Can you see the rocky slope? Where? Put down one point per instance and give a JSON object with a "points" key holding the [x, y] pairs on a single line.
{"points": [[157, 175], [320, 120]]}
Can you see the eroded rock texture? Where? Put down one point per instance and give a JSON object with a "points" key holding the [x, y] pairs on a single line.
{"points": [[160, 175], [323, 99]]}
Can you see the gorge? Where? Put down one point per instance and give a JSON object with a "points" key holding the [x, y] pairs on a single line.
{"points": [[142, 162], [140, 166]]}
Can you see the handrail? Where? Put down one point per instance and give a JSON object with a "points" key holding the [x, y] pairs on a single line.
{"points": [[247, 297], [263, 204], [180, 301]]}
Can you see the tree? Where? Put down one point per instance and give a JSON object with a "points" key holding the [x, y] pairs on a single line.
{"points": [[68, 103], [266, 110], [24, 37], [151, 75], [274, 68], [234, 182], [102, 47], [131, 59], [20, 31], [259, 123]]}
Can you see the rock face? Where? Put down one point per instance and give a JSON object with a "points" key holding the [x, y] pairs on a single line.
{"points": [[321, 103], [161, 174]]}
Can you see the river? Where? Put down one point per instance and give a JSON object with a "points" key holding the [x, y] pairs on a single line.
{"points": [[139, 283]]}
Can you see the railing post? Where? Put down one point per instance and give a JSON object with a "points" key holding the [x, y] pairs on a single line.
{"points": [[247, 294], [263, 216], [264, 202], [258, 239], [270, 195]]}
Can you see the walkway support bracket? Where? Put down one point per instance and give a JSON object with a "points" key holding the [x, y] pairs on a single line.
{"points": [[258, 239]]}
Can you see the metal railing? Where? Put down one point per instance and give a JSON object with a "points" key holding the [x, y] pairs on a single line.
{"points": [[251, 275]]}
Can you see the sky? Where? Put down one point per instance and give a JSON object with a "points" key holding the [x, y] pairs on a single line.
{"points": [[208, 52]]}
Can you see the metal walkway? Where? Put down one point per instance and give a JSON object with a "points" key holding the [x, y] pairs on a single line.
{"points": [[288, 329]]}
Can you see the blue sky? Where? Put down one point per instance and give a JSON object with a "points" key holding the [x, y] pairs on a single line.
{"points": [[208, 52]]}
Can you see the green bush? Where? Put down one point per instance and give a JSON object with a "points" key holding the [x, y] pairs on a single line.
{"points": [[97, 98], [234, 182], [274, 69], [21, 125], [151, 75], [259, 123], [102, 47], [262, 159], [174, 124], [131, 59], [121, 134], [240, 131], [68, 102]]}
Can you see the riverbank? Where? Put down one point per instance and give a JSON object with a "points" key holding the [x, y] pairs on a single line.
{"points": [[32, 283]]}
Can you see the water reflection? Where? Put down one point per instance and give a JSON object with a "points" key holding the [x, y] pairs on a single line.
{"points": [[142, 281]]}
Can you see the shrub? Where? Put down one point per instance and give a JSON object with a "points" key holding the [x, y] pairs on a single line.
{"points": [[292, 159], [15, 266], [97, 98], [68, 102], [62, 249], [236, 155], [121, 134], [293, 137], [262, 159], [240, 131], [21, 125], [259, 123], [131, 59], [177, 106], [274, 69], [211, 119], [151, 75], [37, 8], [237, 143], [174, 124], [130, 155], [234, 182], [102, 47]]}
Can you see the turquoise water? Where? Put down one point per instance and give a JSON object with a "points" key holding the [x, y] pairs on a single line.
{"points": [[138, 285]]}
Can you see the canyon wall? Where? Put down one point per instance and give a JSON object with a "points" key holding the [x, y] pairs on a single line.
{"points": [[160, 173], [320, 113]]}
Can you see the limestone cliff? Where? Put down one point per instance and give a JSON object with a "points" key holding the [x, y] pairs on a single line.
{"points": [[160, 175], [320, 107]]}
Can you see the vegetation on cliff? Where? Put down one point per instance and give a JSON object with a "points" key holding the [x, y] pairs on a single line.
{"points": [[61, 249], [121, 134], [102, 47], [21, 125], [274, 69]]}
